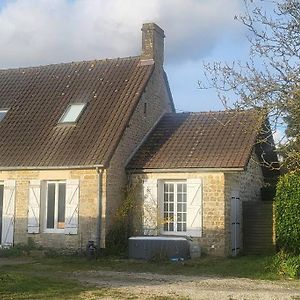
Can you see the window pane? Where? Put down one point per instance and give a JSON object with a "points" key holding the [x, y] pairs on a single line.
{"points": [[61, 205], [166, 197], [50, 205], [179, 217], [2, 114], [179, 197], [171, 227], [72, 113], [179, 207], [171, 207], [183, 197], [179, 188], [179, 227], [165, 207], [171, 197], [171, 186], [184, 187], [166, 188], [184, 227]]}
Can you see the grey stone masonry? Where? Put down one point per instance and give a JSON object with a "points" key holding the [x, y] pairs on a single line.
{"points": [[152, 43]]}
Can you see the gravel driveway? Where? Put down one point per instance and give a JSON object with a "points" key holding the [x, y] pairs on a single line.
{"points": [[155, 286]]}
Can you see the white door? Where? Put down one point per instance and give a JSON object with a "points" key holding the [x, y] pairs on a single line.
{"points": [[235, 223]]}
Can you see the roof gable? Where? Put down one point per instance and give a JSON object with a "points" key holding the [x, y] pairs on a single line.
{"points": [[30, 135], [200, 140]]}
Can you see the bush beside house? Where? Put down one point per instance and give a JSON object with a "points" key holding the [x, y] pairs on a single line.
{"points": [[287, 224]]}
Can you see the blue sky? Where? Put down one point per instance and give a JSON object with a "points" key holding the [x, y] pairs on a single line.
{"points": [[38, 32]]}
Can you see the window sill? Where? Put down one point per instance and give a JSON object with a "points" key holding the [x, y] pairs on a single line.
{"points": [[61, 231]]}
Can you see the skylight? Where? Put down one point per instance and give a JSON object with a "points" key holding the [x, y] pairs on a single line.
{"points": [[3, 113], [72, 113]]}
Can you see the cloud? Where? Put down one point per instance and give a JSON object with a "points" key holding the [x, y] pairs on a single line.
{"points": [[48, 31]]}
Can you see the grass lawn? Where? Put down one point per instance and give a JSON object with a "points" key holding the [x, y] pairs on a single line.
{"points": [[49, 278]]}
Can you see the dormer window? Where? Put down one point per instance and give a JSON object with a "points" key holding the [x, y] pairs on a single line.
{"points": [[3, 113], [72, 113]]}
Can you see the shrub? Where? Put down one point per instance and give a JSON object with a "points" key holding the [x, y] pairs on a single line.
{"points": [[287, 213], [287, 264], [125, 222], [19, 249]]}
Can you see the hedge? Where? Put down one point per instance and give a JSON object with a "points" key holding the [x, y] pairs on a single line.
{"points": [[287, 213]]}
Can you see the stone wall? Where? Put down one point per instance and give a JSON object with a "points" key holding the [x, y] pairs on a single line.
{"points": [[213, 206], [248, 184], [153, 104], [216, 198], [88, 190]]}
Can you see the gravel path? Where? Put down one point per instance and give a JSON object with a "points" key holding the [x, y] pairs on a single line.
{"points": [[153, 286], [156, 286]]}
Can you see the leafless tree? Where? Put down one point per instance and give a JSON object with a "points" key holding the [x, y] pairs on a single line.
{"points": [[270, 80]]}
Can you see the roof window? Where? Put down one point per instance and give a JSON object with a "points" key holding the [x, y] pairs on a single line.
{"points": [[3, 113], [72, 113]]}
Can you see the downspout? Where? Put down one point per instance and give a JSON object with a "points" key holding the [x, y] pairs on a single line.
{"points": [[99, 204]]}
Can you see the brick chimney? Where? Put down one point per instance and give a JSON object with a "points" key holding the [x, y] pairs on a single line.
{"points": [[152, 44]]}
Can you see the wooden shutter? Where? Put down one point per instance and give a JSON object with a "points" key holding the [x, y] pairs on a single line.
{"points": [[8, 217], [160, 206], [235, 220], [72, 206], [34, 203], [150, 207], [194, 207]]}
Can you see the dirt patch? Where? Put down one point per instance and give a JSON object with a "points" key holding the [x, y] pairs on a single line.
{"points": [[153, 286]]}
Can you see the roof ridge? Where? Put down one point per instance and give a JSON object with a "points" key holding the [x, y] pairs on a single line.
{"points": [[69, 63]]}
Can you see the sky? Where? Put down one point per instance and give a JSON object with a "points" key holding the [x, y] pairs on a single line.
{"points": [[40, 32]]}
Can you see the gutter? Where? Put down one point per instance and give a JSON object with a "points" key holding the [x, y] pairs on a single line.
{"points": [[52, 168], [186, 170], [99, 206]]}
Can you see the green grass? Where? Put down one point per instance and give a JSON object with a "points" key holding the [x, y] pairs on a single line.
{"points": [[50, 278], [25, 285], [254, 267]]}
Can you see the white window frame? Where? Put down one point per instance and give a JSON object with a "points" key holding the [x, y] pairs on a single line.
{"points": [[55, 229], [3, 110], [61, 120], [161, 201]]}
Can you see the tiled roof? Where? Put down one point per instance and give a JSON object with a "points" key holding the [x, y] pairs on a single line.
{"points": [[37, 97], [200, 140]]}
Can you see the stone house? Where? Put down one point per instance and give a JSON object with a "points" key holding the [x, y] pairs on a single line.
{"points": [[195, 170], [71, 135], [66, 133]]}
